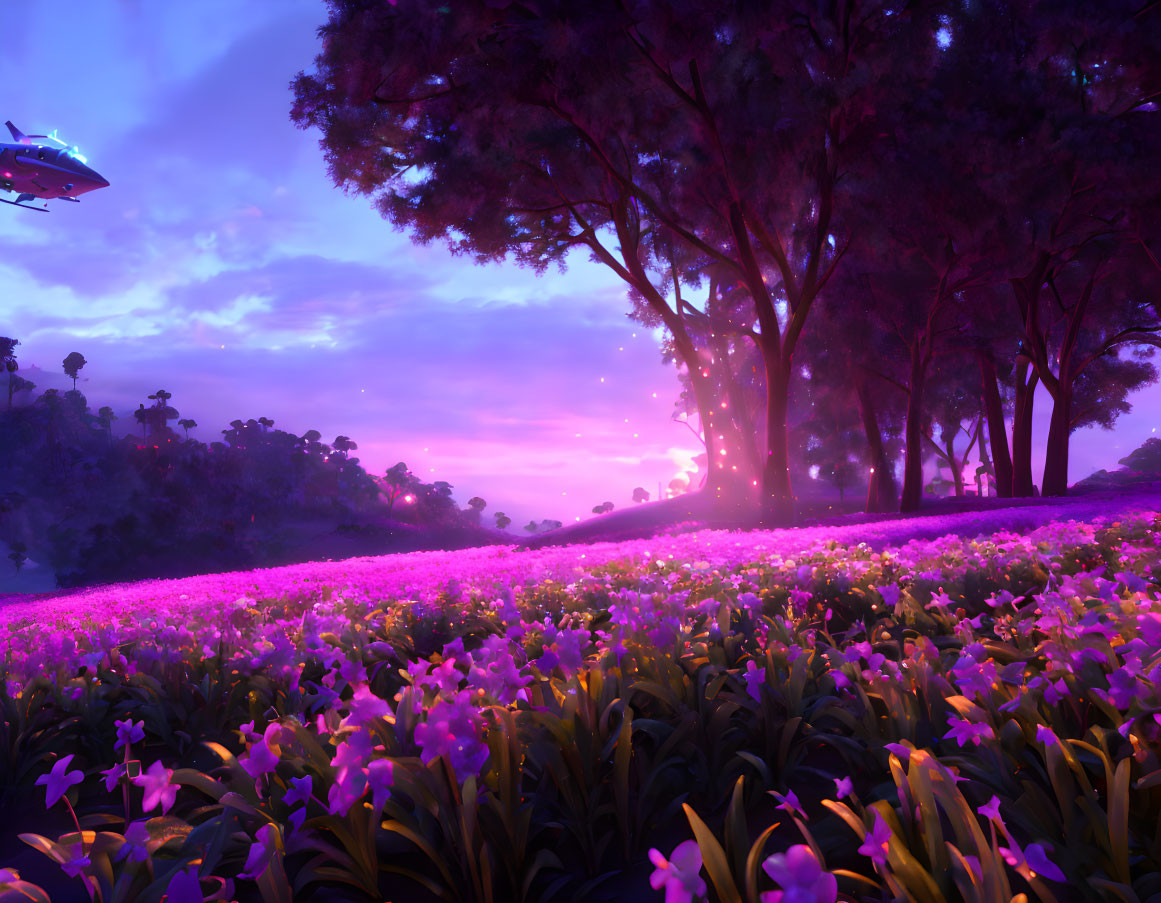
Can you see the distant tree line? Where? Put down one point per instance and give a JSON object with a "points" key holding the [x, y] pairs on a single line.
{"points": [[157, 503], [869, 229]]}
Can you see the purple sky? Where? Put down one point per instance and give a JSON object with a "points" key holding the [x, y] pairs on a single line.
{"points": [[223, 266]]}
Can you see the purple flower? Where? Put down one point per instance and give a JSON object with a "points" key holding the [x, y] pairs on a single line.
{"points": [[353, 752], [1150, 626], [841, 681], [547, 661], [380, 774], [59, 780], [300, 791], [1032, 858], [900, 750], [350, 784], [800, 600], [877, 840], [801, 876], [991, 809], [680, 875], [941, 601], [352, 672], [136, 845], [1045, 735], [445, 677], [261, 853], [1123, 688], [962, 731], [129, 732], [184, 887], [158, 790], [1039, 862], [261, 759], [755, 677], [77, 861], [364, 706], [789, 802], [113, 775], [843, 787], [453, 729]]}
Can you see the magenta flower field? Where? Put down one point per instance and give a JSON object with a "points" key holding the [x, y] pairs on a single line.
{"points": [[937, 709]]}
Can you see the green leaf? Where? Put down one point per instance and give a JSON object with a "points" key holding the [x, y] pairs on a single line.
{"points": [[1118, 809], [754, 859], [737, 837], [714, 859]]}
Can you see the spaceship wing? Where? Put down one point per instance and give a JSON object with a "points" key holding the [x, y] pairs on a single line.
{"points": [[17, 135], [24, 206]]}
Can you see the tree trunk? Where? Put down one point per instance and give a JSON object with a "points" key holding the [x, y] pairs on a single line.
{"points": [[997, 431], [777, 504], [982, 479], [913, 460], [955, 466], [881, 489], [1022, 484], [703, 397], [747, 435], [725, 486], [1056, 453]]}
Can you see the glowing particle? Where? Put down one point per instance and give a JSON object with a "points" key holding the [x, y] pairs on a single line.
{"points": [[655, 395], [602, 379]]}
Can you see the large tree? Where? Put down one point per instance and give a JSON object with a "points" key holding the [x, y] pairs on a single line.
{"points": [[538, 127], [72, 366], [1060, 103]]}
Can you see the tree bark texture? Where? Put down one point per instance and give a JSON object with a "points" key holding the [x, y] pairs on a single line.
{"points": [[997, 430], [1056, 452], [882, 493], [777, 504], [913, 436], [1022, 483]]}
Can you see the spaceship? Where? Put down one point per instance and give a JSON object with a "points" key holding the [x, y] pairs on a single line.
{"points": [[47, 169]]}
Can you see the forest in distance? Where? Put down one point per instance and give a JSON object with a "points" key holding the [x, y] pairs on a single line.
{"points": [[90, 508]]}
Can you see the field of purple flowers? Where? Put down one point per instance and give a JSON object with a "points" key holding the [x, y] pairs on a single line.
{"points": [[845, 713]]}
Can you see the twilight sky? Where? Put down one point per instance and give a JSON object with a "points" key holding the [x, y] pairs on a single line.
{"points": [[222, 265]]}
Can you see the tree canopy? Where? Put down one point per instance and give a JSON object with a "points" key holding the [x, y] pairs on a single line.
{"points": [[963, 179]]}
